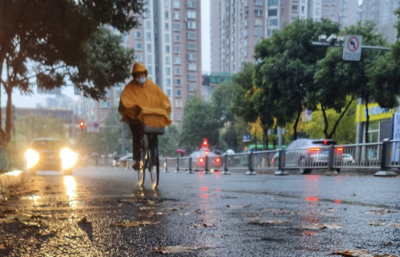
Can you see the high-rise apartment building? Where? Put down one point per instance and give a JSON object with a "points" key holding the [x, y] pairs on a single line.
{"points": [[168, 43], [382, 12], [238, 25]]}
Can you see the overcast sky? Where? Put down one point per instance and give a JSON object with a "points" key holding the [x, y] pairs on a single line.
{"points": [[23, 101]]}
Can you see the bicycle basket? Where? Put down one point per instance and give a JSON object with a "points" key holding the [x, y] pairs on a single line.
{"points": [[153, 130]]}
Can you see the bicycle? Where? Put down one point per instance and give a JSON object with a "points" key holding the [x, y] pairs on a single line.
{"points": [[150, 160]]}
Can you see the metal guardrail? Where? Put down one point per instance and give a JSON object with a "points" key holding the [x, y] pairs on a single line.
{"points": [[381, 157]]}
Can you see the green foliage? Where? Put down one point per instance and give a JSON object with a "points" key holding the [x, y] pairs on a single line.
{"points": [[198, 122], [168, 143], [61, 38], [285, 69]]}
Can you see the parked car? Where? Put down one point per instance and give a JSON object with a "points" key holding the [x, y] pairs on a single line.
{"points": [[50, 154], [124, 160], [199, 159], [347, 159], [306, 153]]}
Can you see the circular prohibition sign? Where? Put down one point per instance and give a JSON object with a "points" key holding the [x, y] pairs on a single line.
{"points": [[353, 44]]}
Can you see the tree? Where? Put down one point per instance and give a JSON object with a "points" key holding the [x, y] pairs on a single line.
{"points": [[168, 143], [198, 122], [286, 63], [56, 38], [338, 79]]}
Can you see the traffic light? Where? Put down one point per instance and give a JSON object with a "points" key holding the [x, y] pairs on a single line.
{"points": [[82, 124], [205, 143]]}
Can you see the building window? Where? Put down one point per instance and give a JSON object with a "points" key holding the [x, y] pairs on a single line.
{"points": [[258, 2], [191, 46], [192, 57], [258, 12], [294, 8], [177, 71], [166, 37], [192, 66], [176, 4], [273, 2], [272, 12], [148, 48], [178, 82], [167, 49], [138, 46], [168, 92], [168, 71], [148, 36], [178, 103], [178, 92], [191, 35], [176, 16], [167, 59], [272, 22], [166, 15], [191, 4], [168, 82], [191, 14], [148, 24], [138, 34], [167, 26], [177, 60], [177, 38], [176, 27], [177, 49], [191, 77], [191, 25], [139, 58], [149, 58]]}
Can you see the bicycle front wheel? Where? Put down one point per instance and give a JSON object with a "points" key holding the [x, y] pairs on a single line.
{"points": [[154, 169]]}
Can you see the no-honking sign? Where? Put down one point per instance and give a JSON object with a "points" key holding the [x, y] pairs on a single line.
{"points": [[352, 48]]}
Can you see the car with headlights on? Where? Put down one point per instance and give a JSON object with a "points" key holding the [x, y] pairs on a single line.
{"points": [[307, 154], [52, 154], [199, 159]]}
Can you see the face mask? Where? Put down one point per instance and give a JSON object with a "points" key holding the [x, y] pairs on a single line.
{"points": [[141, 80]]}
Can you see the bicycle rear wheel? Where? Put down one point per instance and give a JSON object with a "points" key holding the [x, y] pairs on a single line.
{"points": [[144, 162], [154, 167]]}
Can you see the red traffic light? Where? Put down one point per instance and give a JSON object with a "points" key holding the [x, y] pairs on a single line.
{"points": [[82, 124], [205, 143]]}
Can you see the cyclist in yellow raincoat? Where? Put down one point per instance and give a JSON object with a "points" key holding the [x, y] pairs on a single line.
{"points": [[143, 102]]}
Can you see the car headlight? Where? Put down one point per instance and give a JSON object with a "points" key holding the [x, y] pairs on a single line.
{"points": [[32, 158], [68, 158]]}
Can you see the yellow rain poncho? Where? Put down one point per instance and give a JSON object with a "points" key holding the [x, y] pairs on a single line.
{"points": [[148, 104]]}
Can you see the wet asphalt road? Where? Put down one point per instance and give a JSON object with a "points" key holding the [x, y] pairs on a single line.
{"points": [[102, 212]]}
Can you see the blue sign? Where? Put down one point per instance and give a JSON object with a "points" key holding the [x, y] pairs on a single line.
{"points": [[246, 138]]}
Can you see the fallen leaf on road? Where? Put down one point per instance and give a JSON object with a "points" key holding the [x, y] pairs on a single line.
{"points": [[20, 217], [321, 226], [385, 211], [204, 225], [174, 249], [273, 222], [184, 214], [47, 232], [147, 208], [134, 223], [6, 221], [2, 247], [350, 253]]}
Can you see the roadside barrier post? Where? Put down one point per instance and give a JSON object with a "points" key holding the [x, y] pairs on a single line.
{"points": [[251, 169], [384, 170], [280, 170], [165, 165], [190, 171], [177, 165], [206, 170], [226, 172], [331, 159]]}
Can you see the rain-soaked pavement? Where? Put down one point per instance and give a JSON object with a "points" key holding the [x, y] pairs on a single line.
{"points": [[102, 212]]}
